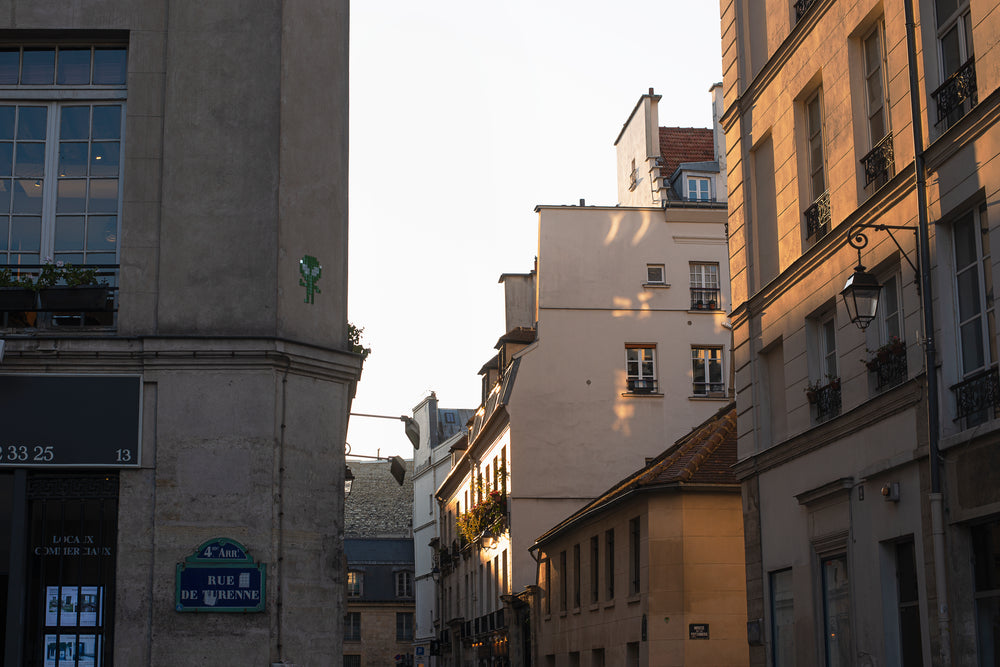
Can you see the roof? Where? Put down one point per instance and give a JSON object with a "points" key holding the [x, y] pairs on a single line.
{"points": [[450, 421], [703, 456], [517, 335], [685, 144], [378, 551]]}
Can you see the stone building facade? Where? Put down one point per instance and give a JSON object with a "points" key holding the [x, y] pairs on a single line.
{"points": [[195, 155], [865, 133]]}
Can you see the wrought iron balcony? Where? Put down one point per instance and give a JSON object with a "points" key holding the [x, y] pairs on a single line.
{"points": [[641, 386], [713, 389], [25, 304], [977, 398], [888, 367], [952, 95], [801, 7], [825, 400], [705, 298], [880, 163], [818, 216]]}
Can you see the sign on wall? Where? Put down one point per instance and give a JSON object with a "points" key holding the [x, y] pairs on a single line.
{"points": [[70, 420], [220, 576]]}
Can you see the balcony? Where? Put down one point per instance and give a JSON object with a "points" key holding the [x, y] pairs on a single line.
{"points": [[801, 7], [818, 216], [705, 298], [641, 386], [887, 367], [879, 165], [26, 305], [977, 398], [957, 95], [825, 399]]}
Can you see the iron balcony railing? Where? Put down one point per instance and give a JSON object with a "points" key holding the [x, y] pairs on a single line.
{"points": [[818, 216], [888, 369], [826, 400], [956, 90], [641, 386], [709, 388], [801, 7], [977, 398], [26, 305], [879, 163], [705, 298]]}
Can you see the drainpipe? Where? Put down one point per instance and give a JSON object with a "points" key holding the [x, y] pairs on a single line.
{"points": [[935, 497]]}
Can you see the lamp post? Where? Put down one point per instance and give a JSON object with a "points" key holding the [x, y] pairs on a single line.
{"points": [[862, 291]]}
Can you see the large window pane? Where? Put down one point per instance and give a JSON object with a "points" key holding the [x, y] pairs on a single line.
{"points": [[74, 123], [30, 160], [74, 67], [4, 196], [103, 196], [71, 196], [102, 232], [972, 346], [31, 123], [10, 62], [109, 66], [69, 232], [38, 67], [4, 232], [7, 122], [28, 196], [104, 158], [6, 158], [25, 234], [108, 122], [72, 159]]}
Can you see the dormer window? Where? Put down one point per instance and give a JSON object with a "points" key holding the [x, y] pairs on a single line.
{"points": [[698, 188]]}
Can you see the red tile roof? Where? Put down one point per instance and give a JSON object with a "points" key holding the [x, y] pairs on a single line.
{"points": [[704, 456], [685, 144]]}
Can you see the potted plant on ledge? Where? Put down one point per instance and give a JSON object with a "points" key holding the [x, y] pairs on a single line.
{"points": [[17, 292], [64, 287]]}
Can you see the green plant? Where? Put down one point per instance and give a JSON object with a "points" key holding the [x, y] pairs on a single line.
{"points": [[54, 273], [354, 340], [10, 279], [488, 516]]}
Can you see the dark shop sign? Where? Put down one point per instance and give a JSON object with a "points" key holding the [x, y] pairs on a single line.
{"points": [[220, 576], [70, 420]]}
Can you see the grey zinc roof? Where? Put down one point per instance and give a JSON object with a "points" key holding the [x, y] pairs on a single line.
{"points": [[378, 551]]}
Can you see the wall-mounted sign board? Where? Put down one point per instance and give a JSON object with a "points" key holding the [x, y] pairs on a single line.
{"points": [[220, 576]]}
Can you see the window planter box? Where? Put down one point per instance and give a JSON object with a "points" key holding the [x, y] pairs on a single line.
{"points": [[14, 299], [73, 299]]}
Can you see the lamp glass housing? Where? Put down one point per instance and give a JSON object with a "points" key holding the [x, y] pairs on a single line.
{"points": [[860, 296]]}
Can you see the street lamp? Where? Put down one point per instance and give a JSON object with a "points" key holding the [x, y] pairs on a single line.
{"points": [[861, 296]]}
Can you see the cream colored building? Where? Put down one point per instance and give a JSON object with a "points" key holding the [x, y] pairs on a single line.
{"points": [[652, 571], [863, 548], [616, 343]]}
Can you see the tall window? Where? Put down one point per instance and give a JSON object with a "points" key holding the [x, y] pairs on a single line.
{"points": [[817, 214], [576, 576], [890, 314], [563, 581], [640, 368], [609, 564], [352, 626], [633, 556], [404, 584], [404, 626], [782, 619], [355, 584], [706, 370], [705, 292], [908, 591], [837, 612], [828, 347], [879, 163], [548, 586], [595, 549], [957, 92], [59, 158], [974, 288]]}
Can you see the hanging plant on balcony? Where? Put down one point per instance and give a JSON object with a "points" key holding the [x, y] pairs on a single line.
{"points": [[65, 287], [894, 349], [17, 291], [488, 517]]}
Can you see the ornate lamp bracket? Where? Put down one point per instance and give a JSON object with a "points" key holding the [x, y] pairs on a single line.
{"points": [[859, 240]]}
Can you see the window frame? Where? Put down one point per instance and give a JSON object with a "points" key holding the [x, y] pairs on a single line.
{"points": [[404, 583], [609, 564], [815, 139], [595, 572], [650, 268], [831, 635], [707, 388], [404, 629], [704, 184], [352, 626], [984, 296], [786, 638], [878, 33], [960, 19], [706, 281], [643, 380], [357, 589], [635, 556]]}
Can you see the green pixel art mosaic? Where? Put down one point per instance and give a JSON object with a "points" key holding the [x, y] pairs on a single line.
{"points": [[311, 271]]}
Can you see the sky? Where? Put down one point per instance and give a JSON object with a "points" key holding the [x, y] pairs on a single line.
{"points": [[464, 116]]}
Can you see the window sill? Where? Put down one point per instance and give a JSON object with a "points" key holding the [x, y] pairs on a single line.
{"points": [[633, 599], [719, 397], [633, 394], [562, 614], [595, 606], [576, 611], [707, 311], [656, 285], [610, 604]]}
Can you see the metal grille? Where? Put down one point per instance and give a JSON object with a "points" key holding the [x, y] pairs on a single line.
{"points": [[879, 163], [801, 7], [72, 535], [818, 216], [827, 401], [977, 398], [888, 370], [952, 95]]}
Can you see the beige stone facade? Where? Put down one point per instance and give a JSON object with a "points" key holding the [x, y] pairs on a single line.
{"points": [[846, 563]]}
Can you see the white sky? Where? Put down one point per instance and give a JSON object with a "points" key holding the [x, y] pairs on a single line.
{"points": [[465, 115]]}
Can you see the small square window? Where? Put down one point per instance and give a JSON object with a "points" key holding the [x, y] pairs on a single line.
{"points": [[655, 274], [698, 188]]}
